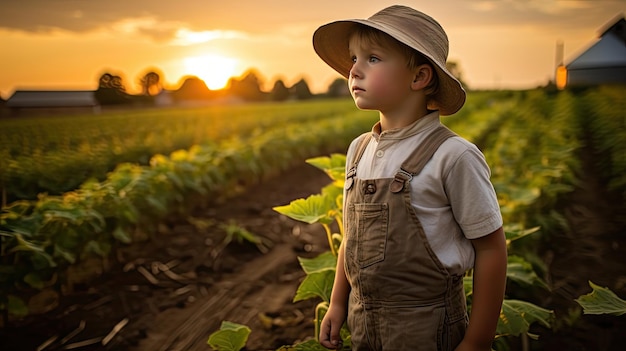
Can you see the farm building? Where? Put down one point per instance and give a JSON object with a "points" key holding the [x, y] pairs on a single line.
{"points": [[604, 62], [53, 100]]}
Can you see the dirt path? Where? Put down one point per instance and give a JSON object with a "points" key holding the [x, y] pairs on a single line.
{"points": [[189, 328], [171, 293]]}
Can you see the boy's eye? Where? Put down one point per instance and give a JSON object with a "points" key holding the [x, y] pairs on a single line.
{"points": [[372, 59]]}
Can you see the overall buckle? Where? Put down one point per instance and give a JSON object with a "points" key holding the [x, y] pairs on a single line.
{"points": [[399, 180]]}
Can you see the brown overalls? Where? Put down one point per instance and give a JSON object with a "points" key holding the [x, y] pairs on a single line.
{"points": [[402, 297]]}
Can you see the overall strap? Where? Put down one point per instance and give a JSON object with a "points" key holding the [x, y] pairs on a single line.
{"points": [[357, 157], [414, 164]]}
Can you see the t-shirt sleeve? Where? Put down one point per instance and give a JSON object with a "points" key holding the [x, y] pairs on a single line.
{"points": [[472, 196]]}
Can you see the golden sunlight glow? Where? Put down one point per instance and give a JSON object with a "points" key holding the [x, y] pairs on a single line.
{"points": [[214, 70]]}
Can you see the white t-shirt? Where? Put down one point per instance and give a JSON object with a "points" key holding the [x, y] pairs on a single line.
{"points": [[452, 196]]}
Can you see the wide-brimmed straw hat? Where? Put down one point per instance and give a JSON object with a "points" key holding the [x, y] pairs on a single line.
{"points": [[410, 27]]}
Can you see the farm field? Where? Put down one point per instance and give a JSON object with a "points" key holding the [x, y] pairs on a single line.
{"points": [[557, 162]]}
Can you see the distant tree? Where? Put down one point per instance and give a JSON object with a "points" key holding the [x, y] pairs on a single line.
{"points": [[111, 90], [301, 90], [192, 88], [248, 87], [108, 80], [150, 83], [338, 88], [279, 91]]}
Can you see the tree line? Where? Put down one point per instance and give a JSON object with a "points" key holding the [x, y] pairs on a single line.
{"points": [[112, 90]]}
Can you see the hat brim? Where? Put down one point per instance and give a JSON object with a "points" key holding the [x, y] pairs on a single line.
{"points": [[331, 41]]}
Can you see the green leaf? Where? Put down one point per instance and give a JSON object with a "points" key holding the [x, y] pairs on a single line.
{"points": [[175, 179], [322, 262], [67, 255], [334, 192], [34, 279], [601, 301], [521, 271], [159, 204], [311, 210], [334, 166], [318, 284], [325, 162], [130, 213], [17, 306], [514, 233], [517, 316], [100, 249], [38, 254], [25, 245], [16, 209], [120, 234], [72, 216], [230, 337], [519, 195], [26, 226], [234, 231]]}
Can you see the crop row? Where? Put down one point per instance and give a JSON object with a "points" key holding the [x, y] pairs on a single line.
{"points": [[530, 139], [42, 238], [57, 154], [605, 117], [537, 157]]}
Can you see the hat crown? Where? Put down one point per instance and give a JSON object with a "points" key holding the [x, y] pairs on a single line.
{"points": [[415, 29]]}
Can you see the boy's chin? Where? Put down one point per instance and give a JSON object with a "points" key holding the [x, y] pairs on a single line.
{"points": [[361, 105]]}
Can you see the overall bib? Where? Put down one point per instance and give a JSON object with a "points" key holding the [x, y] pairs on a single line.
{"points": [[402, 297]]}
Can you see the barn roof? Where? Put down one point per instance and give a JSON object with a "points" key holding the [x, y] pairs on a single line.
{"points": [[52, 98], [617, 26], [608, 51]]}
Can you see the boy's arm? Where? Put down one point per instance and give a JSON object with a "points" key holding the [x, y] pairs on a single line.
{"points": [[488, 291], [338, 309]]}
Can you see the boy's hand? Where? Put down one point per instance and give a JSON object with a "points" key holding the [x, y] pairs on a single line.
{"points": [[331, 325]]}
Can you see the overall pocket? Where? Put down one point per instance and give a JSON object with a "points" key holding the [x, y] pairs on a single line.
{"points": [[371, 232]]}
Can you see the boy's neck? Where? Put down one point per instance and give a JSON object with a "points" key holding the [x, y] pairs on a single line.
{"points": [[400, 119]]}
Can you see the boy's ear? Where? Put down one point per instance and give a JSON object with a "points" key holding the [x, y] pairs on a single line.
{"points": [[422, 77]]}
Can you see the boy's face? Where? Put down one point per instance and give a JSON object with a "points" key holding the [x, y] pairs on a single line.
{"points": [[380, 78]]}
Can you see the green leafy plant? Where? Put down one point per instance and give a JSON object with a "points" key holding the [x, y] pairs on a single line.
{"points": [[230, 337], [56, 154], [239, 234], [601, 301], [516, 317], [40, 239]]}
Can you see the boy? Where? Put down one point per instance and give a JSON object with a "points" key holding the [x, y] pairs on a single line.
{"points": [[419, 209]]}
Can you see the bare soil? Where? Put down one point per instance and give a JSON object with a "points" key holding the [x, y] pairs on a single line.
{"points": [[172, 292]]}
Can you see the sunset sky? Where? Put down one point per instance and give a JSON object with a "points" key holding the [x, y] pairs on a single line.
{"points": [[69, 44]]}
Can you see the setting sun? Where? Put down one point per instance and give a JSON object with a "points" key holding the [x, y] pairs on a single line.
{"points": [[214, 70]]}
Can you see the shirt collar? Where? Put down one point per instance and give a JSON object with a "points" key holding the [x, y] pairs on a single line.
{"points": [[425, 123]]}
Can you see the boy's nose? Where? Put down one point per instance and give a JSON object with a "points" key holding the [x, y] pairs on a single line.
{"points": [[355, 72]]}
